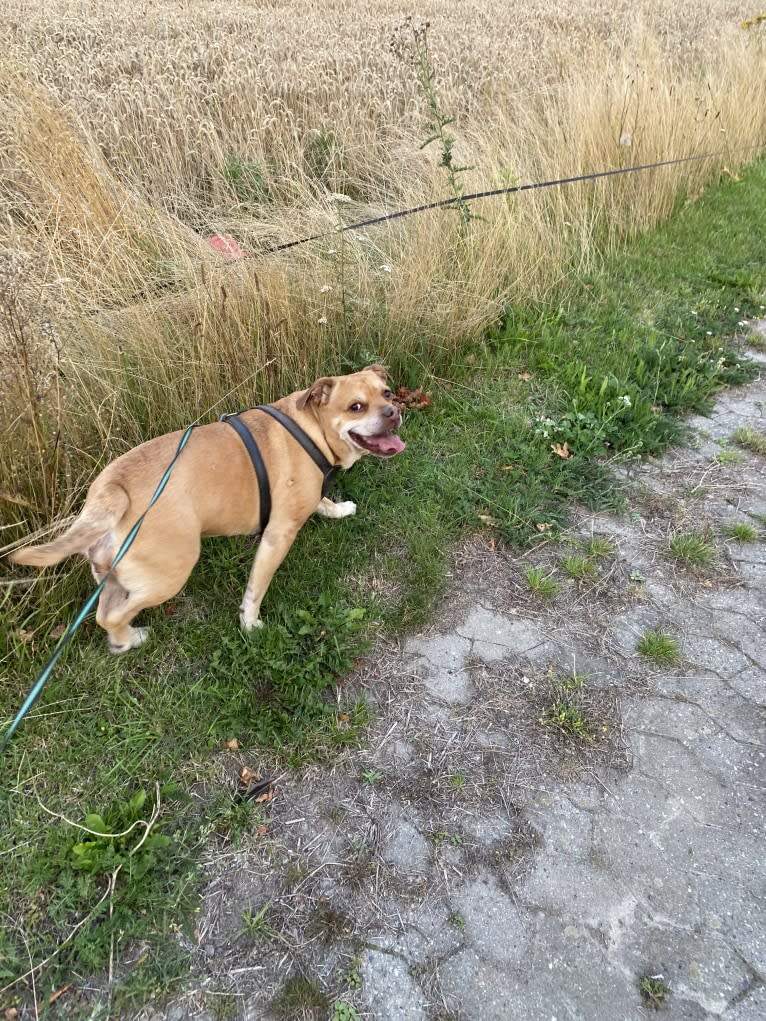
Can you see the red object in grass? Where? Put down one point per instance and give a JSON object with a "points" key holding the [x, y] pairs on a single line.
{"points": [[226, 245]]}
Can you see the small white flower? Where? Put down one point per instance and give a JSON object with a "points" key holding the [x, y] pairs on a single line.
{"points": [[385, 267], [359, 237], [338, 196], [325, 288], [626, 400], [332, 251], [626, 139], [709, 333], [742, 323], [693, 312], [762, 307], [736, 309], [322, 320]]}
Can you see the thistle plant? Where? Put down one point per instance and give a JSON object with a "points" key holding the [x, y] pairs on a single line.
{"points": [[410, 41]]}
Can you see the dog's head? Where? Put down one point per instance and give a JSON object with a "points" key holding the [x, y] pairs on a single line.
{"points": [[358, 410]]}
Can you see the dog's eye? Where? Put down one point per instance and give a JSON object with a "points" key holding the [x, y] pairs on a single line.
{"points": [[356, 407], [387, 394]]}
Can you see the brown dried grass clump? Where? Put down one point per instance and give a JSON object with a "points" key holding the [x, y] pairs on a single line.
{"points": [[127, 135]]}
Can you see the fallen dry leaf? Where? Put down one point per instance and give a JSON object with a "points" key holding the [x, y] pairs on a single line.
{"points": [[541, 526], [59, 992], [58, 631], [487, 519], [507, 468], [412, 399], [261, 830], [232, 745], [247, 775], [11, 1014], [524, 376], [731, 174], [562, 451]]}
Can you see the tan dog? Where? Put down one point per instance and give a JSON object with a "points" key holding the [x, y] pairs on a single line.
{"points": [[214, 491]]}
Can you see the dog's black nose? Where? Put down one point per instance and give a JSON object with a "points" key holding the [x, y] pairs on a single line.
{"points": [[389, 411]]}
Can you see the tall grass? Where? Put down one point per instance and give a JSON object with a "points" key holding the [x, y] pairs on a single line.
{"points": [[126, 137]]}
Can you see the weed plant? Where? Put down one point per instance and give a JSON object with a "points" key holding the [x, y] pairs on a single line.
{"points": [[654, 990]]}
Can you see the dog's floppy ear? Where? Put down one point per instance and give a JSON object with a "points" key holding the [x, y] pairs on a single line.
{"points": [[379, 371], [319, 392]]}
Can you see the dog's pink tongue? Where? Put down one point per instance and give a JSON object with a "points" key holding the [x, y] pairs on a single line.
{"points": [[389, 445]]}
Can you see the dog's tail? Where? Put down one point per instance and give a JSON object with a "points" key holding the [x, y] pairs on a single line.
{"points": [[98, 516]]}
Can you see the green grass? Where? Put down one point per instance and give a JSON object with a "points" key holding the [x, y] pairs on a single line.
{"points": [[659, 648], [728, 457], [613, 357], [301, 997], [540, 583], [598, 548], [751, 439], [695, 549], [578, 566], [740, 531]]}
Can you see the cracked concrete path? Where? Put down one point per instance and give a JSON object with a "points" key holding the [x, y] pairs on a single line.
{"points": [[541, 816]]}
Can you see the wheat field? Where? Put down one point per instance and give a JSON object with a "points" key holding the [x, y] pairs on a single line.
{"points": [[131, 132]]}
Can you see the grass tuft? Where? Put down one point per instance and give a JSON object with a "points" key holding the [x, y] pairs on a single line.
{"points": [[301, 999], [741, 531], [751, 439], [599, 547], [540, 583], [692, 548], [659, 648], [578, 567]]}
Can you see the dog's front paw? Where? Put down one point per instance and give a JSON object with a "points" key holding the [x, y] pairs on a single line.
{"points": [[248, 622], [345, 509], [328, 509]]}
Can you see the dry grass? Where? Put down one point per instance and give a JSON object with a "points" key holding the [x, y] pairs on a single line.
{"points": [[123, 137]]}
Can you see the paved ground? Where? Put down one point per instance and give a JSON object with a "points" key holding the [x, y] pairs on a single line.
{"points": [[478, 860]]}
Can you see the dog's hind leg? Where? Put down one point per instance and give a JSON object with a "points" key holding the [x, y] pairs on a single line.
{"points": [[137, 586], [116, 608]]}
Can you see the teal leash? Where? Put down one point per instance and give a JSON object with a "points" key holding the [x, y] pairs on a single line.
{"points": [[47, 670]]}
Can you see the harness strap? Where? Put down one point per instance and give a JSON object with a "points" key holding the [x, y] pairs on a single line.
{"points": [[328, 470], [264, 490]]}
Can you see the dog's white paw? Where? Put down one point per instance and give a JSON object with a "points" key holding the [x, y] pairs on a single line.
{"points": [[248, 622], [138, 636], [345, 509], [328, 509]]}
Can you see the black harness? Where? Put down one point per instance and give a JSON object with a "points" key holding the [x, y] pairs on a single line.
{"points": [[328, 470]]}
